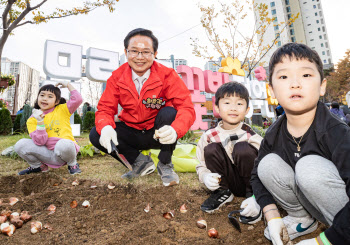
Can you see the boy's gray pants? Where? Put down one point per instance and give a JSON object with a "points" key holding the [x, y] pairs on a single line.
{"points": [[35, 155], [314, 188]]}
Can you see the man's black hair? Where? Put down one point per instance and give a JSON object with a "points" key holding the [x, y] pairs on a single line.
{"points": [[335, 105], [142, 32], [299, 52], [232, 89], [53, 89]]}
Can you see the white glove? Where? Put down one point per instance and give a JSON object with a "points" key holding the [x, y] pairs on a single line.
{"points": [[107, 134], [167, 135], [38, 115], [63, 84], [211, 181], [251, 207], [312, 241], [278, 231]]}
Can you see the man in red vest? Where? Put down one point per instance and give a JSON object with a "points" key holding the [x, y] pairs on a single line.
{"points": [[157, 109]]}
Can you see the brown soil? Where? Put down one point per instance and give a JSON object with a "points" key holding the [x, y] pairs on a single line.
{"points": [[117, 216]]}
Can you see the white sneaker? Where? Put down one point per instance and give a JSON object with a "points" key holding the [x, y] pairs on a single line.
{"points": [[296, 226]]}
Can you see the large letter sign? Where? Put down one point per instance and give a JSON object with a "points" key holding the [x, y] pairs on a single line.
{"points": [[100, 64], [73, 53], [198, 81]]}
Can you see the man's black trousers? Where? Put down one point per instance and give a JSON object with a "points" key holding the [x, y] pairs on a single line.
{"points": [[131, 141]]}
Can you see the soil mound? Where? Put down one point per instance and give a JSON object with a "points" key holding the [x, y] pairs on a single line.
{"points": [[117, 216]]}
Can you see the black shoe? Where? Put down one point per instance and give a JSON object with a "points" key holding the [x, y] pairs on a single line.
{"points": [[74, 169], [30, 170], [216, 200]]}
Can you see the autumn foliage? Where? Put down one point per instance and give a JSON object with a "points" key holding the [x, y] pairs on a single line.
{"points": [[224, 25], [338, 81]]}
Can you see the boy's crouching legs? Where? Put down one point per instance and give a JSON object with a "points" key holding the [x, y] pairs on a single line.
{"points": [[321, 186], [279, 179], [218, 163], [244, 156]]}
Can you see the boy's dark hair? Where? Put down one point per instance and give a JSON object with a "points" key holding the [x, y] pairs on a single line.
{"points": [[232, 89], [298, 51], [53, 89], [142, 32], [335, 105]]}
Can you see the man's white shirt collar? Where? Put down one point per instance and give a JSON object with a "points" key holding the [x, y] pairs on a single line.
{"points": [[140, 80], [144, 77]]}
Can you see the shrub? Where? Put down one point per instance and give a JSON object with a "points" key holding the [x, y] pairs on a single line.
{"points": [[5, 122], [3, 103], [27, 112], [88, 121], [259, 130], [188, 138], [17, 124], [84, 111], [77, 118]]}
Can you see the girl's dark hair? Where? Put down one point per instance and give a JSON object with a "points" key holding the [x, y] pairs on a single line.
{"points": [[232, 89], [299, 52], [335, 105], [53, 89], [141, 32]]}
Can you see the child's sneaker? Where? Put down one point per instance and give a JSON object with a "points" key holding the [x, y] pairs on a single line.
{"points": [[216, 200], [30, 170], [74, 169], [296, 226], [44, 168]]}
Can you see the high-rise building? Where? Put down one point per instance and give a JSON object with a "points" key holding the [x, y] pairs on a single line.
{"points": [[177, 62], [309, 28], [25, 90], [213, 66]]}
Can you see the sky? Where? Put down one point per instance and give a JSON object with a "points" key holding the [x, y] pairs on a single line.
{"points": [[166, 18]]}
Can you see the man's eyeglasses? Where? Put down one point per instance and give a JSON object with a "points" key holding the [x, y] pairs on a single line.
{"points": [[134, 53]]}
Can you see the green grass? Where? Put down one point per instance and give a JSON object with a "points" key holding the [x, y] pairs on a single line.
{"points": [[97, 168]]}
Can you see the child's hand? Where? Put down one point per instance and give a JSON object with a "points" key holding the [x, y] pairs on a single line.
{"points": [[212, 181], [63, 84], [251, 207], [38, 115], [278, 231]]}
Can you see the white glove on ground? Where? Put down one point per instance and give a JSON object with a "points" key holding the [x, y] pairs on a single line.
{"points": [[63, 84], [251, 207], [107, 134], [277, 231], [312, 241], [167, 135], [37, 115], [211, 181]]}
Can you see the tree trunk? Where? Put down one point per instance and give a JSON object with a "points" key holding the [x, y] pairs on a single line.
{"points": [[3, 39]]}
